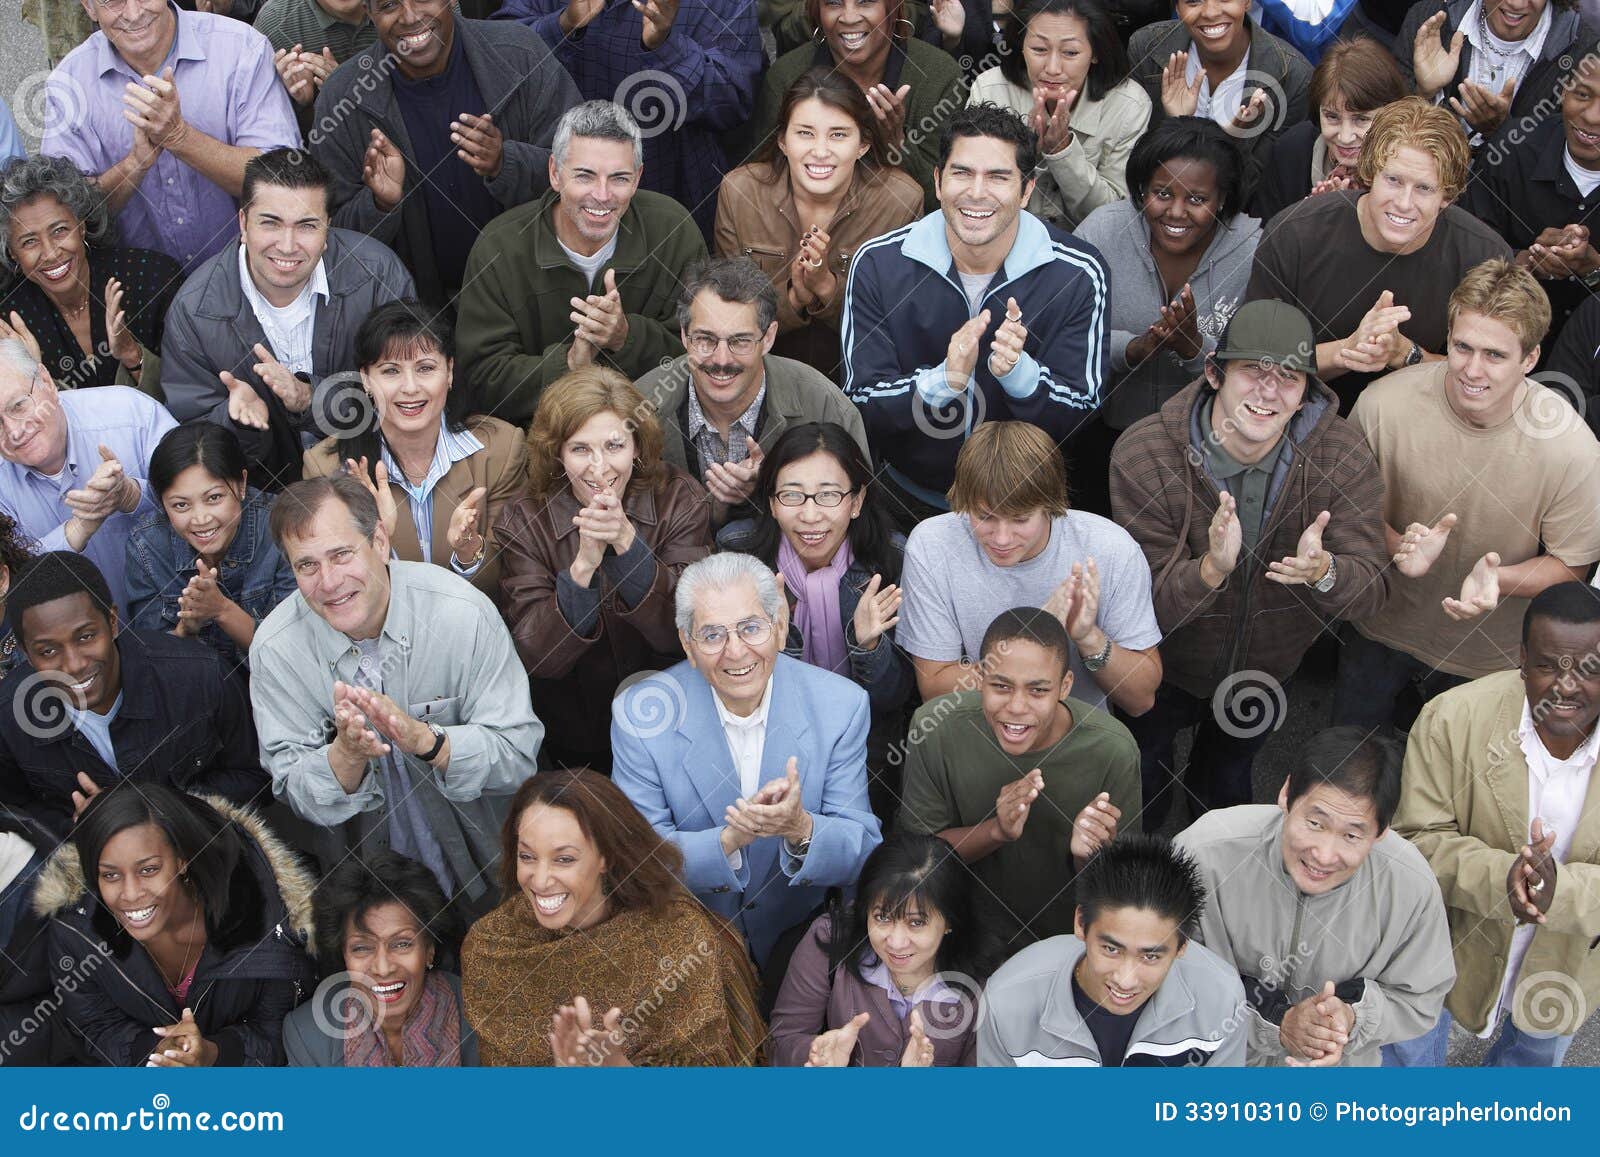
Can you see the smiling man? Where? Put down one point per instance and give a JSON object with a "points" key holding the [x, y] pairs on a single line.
{"points": [[1012, 774], [1498, 796], [1128, 989], [1491, 483], [1373, 270], [1258, 508], [586, 274], [432, 138], [980, 312], [751, 763], [111, 704], [163, 107], [260, 324], [392, 702], [1332, 919]]}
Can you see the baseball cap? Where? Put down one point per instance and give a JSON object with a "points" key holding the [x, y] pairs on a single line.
{"points": [[1269, 331]]}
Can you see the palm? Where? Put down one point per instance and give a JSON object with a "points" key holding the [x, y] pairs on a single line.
{"points": [[1481, 587], [1428, 544]]}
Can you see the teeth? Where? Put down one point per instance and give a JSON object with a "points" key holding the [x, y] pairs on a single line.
{"points": [[550, 905], [1258, 411], [820, 172], [852, 39], [1398, 220], [388, 989], [598, 214], [812, 537], [1174, 230], [1015, 728], [978, 214], [412, 43], [1215, 31], [57, 272], [139, 915], [742, 671]]}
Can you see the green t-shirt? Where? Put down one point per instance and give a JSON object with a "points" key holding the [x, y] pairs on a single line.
{"points": [[954, 770]]}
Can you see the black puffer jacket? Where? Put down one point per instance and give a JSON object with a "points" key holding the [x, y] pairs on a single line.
{"points": [[31, 1032], [114, 996]]}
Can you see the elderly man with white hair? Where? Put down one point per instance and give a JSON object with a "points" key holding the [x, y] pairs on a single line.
{"points": [[73, 475], [752, 763]]}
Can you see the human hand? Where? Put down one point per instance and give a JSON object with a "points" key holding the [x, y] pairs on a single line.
{"points": [[1225, 538], [153, 108], [107, 491], [1434, 64], [1052, 128], [182, 1046], [919, 1049], [1421, 545], [245, 407], [1095, 827], [292, 392], [466, 541], [733, 482], [18, 330], [889, 106], [1179, 97], [119, 339], [876, 613], [1376, 344], [1310, 562], [811, 266], [479, 143], [1012, 804], [832, 1049], [1311, 1030], [576, 1041], [658, 17], [599, 318], [1076, 602], [383, 170], [1480, 590], [377, 484], [961, 356], [1005, 351], [1483, 108], [87, 790]]}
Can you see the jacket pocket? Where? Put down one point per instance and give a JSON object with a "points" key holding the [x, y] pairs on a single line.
{"points": [[444, 712], [772, 261]]}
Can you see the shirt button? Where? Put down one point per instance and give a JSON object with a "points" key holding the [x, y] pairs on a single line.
{"points": [[169, 180], [180, 220]]}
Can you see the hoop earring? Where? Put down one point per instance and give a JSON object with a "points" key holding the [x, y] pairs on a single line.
{"points": [[911, 29], [817, 37]]}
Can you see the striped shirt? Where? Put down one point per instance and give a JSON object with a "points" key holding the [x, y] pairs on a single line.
{"points": [[306, 23], [453, 446]]}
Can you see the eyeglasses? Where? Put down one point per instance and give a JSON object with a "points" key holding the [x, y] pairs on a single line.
{"points": [[22, 408], [826, 498], [752, 633], [703, 345]]}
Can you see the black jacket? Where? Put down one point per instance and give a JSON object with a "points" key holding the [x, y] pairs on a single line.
{"points": [[1285, 171], [113, 995], [185, 721], [30, 1032]]}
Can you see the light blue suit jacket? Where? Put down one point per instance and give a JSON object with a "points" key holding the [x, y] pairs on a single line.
{"points": [[671, 757]]}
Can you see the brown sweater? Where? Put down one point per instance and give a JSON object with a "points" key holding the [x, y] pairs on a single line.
{"points": [[1162, 494]]}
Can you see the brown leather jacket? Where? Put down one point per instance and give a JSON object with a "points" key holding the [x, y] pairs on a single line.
{"points": [[501, 467], [574, 678], [756, 218]]}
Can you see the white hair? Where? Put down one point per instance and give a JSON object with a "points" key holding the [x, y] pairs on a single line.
{"points": [[603, 119], [718, 572], [14, 354]]}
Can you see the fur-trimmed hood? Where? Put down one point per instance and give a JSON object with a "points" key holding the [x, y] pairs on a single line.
{"points": [[61, 883]]}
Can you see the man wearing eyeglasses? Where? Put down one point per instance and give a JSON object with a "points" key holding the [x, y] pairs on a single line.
{"points": [[730, 396], [1259, 510], [753, 764], [75, 463], [163, 108]]}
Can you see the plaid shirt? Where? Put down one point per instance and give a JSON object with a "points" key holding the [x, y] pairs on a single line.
{"points": [[710, 443], [702, 77]]}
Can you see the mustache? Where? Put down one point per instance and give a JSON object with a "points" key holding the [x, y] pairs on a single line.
{"points": [[713, 368]]}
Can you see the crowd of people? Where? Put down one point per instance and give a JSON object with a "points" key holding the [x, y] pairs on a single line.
{"points": [[718, 532]]}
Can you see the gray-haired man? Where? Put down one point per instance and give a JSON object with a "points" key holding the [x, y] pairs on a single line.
{"points": [[752, 763], [586, 275]]}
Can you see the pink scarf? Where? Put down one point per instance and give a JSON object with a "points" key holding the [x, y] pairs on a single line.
{"points": [[431, 1038], [816, 609]]}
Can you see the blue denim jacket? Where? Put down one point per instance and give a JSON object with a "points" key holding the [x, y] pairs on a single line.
{"points": [[253, 573]]}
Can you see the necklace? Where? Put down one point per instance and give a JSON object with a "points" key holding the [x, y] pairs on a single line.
{"points": [[183, 969], [1499, 59]]}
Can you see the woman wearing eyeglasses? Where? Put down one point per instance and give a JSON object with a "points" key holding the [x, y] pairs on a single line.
{"points": [[591, 556], [822, 528]]}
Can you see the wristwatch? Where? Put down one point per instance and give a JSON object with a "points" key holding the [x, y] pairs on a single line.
{"points": [[1325, 584], [1415, 356], [798, 851], [1097, 662], [438, 743]]}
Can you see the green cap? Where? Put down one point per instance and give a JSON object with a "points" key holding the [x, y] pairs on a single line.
{"points": [[1269, 331]]}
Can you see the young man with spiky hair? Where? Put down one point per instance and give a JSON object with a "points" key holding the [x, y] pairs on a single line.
{"points": [[1128, 989]]}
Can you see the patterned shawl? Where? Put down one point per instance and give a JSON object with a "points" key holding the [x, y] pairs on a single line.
{"points": [[682, 979], [431, 1037]]}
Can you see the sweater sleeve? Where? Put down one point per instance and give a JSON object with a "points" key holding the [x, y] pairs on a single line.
{"points": [[801, 1012]]}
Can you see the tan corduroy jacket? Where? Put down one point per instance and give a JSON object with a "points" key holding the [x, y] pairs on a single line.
{"points": [[1464, 804]]}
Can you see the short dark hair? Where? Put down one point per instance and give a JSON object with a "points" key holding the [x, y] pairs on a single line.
{"points": [[990, 120], [221, 880], [1568, 602], [735, 279], [358, 885], [1189, 139], [1110, 67], [294, 509], [406, 324], [206, 444], [1140, 871], [1361, 763], [1036, 626], [286, 169], [909, 867], [56, 574]]}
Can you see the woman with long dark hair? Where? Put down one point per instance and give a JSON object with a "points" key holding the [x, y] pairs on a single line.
{"points": [[817, 190], [893, 977], [204, 565], [206, 915], [1067, 76], [594, 910], [823, 528], [439, 473]]}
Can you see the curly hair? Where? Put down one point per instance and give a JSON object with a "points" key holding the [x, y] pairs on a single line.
{"points": [[570, 401], [1419, 124], [28, 177], [17, 550]]}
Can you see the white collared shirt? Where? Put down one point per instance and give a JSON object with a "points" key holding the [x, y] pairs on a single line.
{"points": [[1556, 790], [289, 328], [747, 742], [1223, 104], [1496, 61]]}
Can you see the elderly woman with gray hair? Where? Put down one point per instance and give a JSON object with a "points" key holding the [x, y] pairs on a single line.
{"points": [[750, 762], [89, 310]]}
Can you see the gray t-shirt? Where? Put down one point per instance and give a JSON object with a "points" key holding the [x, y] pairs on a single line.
{"points": [[975, 285], [953, 592]]}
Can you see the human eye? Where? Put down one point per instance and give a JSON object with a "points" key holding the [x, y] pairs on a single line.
{"points": [[525, 857], [343, 555], [402, 945], [359, 949]]}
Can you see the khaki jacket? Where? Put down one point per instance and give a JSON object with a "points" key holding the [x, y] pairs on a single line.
{"points": [[501, 467], [1464, 804]]}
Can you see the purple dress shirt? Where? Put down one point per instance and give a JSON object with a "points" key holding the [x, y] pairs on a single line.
{"points": [[228, 90]]}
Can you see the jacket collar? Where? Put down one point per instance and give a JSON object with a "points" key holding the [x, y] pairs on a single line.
{"points": [[638, 502], [186, 45], [632, 244], [374, 88], [1550, 163], [1173, 1001], [708, 762], [926, 242]]}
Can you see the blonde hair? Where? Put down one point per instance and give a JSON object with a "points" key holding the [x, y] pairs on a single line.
{"points": [[570, 401], [1010, 469], [1421, 125], [1506, 293]]}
